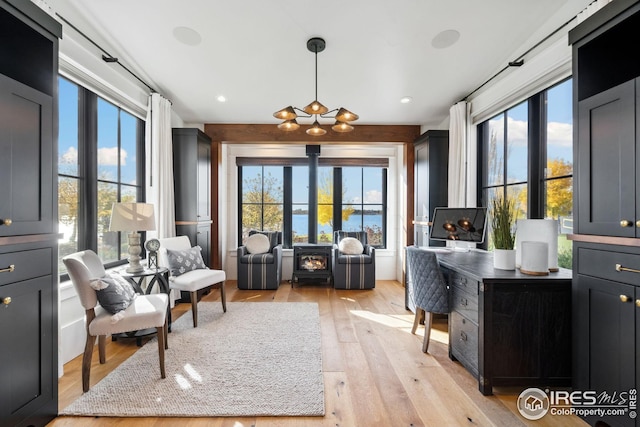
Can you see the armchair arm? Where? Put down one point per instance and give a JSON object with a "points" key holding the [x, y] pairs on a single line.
{"points": [[369, 250], [242, 251]]}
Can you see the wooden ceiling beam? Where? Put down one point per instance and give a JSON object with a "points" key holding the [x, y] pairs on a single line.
{"points": [[264, 133]]}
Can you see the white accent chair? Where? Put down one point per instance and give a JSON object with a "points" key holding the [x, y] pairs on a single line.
{"points": [[145, 311], [191, 281]]}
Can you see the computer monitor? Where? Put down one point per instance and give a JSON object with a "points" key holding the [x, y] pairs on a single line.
{"points": [[459, 224]]}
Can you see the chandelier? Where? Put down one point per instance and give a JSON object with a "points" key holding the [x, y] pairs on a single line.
{"points": [[289, 114]]}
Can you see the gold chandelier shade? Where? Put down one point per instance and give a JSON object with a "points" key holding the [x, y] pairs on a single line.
{"points": [[342, 127], [287, 113], [316, 130], [314, 109], [345, 116], [289, 125]]}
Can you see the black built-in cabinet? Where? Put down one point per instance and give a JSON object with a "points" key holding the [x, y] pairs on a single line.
{"points": [[431, 181], [28, 211], [192, 178], [606, 266]]}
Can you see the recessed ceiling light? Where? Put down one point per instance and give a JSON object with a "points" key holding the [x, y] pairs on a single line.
{"points": [[406, 99], [187, 35], [221, 98], [445, 39]]}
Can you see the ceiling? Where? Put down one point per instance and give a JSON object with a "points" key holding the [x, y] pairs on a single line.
{"points": [[253, 52]]}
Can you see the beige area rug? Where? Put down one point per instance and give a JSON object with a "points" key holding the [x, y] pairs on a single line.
{"points": [[258, 358]]}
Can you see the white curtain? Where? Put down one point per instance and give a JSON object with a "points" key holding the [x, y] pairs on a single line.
{"points": [[458, 143], [159, 165]]}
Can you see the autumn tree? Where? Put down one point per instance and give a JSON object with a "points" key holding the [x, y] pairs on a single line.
{"points": [[325, 201], [262, 203], [559, 191]]}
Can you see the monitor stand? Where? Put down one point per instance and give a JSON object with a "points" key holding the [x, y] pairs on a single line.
{"points": [[457, 248]]}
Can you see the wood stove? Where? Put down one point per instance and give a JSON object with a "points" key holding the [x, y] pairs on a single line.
{"points": [[311, 263]]}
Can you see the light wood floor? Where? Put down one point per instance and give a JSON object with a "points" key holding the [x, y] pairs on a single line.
{"points": [[375, 373]]}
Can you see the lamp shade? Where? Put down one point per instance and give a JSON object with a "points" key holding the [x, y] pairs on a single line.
{"points": [[132, 217], [345, 115]]}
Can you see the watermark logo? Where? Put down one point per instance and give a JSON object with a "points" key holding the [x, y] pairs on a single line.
{"points": [[533, 404]]}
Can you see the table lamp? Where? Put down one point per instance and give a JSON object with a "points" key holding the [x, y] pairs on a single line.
{"points": [[133, 217]]}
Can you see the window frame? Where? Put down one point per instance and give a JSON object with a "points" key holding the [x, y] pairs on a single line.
{"points": [[87, 219], [336, 164]]}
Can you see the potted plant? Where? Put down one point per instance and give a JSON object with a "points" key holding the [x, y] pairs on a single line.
{"points": [[503, 216]]}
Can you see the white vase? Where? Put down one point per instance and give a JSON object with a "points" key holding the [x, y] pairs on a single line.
{"points": [[504, 259]]}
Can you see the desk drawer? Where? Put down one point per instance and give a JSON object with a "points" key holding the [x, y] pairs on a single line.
{"points": [[464, 341], [602, 264], [26, 265], [463, 283], [464, 303]]}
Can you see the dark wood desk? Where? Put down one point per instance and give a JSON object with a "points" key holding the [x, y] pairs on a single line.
{"points": [[505, 327]]}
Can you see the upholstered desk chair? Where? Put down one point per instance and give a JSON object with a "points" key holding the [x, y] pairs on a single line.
{"points": [[353, 270], [427, 289], [260, 267], [144, 311], [193, 280]]}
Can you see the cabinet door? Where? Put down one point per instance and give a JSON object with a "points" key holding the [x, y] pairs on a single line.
{"points": [[606, 158], [203, 239], [26, 159], [605, 352], [26, 367]]}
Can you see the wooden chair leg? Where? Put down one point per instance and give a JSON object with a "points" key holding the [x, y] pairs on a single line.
{"points": [[165, 330], [223, 297], [86, 361], [161, 343], [417, 319], [101, 349], [194, 308], [427, 331]]}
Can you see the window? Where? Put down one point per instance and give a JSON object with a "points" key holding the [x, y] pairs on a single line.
{"points": [[100, 161], [527, 153], [350, 198]]}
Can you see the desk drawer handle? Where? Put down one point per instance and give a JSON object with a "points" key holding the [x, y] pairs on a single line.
{"points": [[630, 270], [8, 269], [464, 302], [463, 336]]}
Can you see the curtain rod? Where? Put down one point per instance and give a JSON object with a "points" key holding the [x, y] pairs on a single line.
{"points": [[519, 60], [107, 57]]}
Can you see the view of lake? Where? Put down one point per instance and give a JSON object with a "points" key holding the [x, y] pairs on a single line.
{"points": [[300, 223]]}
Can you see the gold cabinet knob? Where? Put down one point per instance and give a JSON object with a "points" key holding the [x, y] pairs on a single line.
{"points": [[6, 300], [638, 303], [5, 221], [625, 223], [638, 223], [625, 298]]}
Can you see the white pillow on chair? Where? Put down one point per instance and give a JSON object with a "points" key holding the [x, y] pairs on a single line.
{"points": [[258, 244], [351, 246]]}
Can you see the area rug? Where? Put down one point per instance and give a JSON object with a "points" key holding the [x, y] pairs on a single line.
{"points": [[257, 359]]}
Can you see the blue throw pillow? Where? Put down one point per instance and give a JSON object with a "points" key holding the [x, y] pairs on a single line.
{"points": [[182, 261]]}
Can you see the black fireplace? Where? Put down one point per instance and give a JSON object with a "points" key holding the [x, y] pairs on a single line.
{"points": [[311, 263]]}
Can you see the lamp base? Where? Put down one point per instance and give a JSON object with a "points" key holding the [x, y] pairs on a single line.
{"points": [[134, 253]]}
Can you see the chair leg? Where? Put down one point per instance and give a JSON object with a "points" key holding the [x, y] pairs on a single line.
{"points": [[223, 297], [101, 349], [427, 331], [161, 343], [417, 319], [194, 308], [86, 361], [165, 330]]}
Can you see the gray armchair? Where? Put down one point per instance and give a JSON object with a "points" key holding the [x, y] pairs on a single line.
{"points": [[426, 288], [261, 270], [353, 271]]}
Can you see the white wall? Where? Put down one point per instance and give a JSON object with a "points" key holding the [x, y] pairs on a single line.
{"points": [[386, 259]]}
